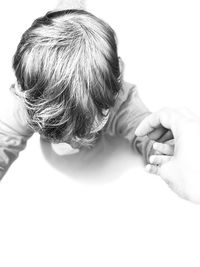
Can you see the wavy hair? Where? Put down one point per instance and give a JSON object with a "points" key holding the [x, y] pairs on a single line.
{"points": [[68, 74]]}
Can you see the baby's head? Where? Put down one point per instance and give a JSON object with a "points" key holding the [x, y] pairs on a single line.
{"points": [[68, 75]]}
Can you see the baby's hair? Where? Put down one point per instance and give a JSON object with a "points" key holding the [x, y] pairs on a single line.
{"points": [[68, 74]]}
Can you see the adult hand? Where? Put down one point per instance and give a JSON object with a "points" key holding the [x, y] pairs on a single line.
{"points": [[182, 171]]}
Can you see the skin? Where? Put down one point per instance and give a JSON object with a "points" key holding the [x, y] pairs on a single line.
{"points": [[179, 165]]}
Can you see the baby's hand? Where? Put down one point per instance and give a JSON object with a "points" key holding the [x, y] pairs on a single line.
{"points": [[163, 153]]}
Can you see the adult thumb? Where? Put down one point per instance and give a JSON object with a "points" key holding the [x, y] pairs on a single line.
{"points": [[168, 172]]}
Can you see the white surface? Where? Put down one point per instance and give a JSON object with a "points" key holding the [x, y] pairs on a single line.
{"points": [[100, 208]]}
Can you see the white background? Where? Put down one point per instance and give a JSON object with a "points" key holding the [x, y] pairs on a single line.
{"points": [[101, 208]]}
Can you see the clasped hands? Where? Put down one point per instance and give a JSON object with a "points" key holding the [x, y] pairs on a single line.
{"points": [[176, 133]]}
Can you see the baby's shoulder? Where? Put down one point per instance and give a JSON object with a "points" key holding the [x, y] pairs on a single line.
{"points": [[12, 113]]}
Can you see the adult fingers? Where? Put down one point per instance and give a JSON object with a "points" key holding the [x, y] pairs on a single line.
{"points": [[157, 133], [164, 148], [167, 136], [167, 117], [161, 134]]}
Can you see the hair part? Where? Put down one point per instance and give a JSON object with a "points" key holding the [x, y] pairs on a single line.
{"points": [[68, 73]]}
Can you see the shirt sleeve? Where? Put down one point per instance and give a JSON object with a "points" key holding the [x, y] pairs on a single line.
{"points": [[14, 131], [125, 118]]}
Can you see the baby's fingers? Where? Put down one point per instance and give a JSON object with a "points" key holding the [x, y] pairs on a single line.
{"points": [[154, 169], [164, 148], [159, 159]]}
